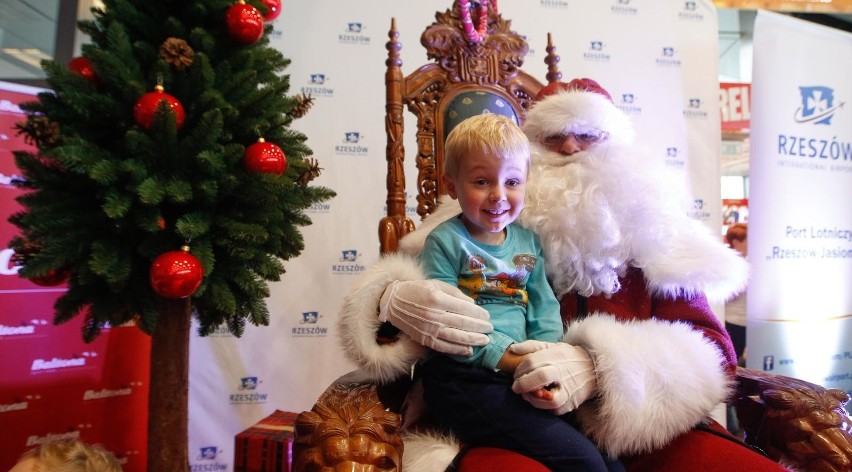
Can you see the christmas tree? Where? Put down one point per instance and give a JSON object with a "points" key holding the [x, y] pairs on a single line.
{"points": [[167, 183]]}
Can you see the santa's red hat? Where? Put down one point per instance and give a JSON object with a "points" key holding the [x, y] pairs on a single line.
{"points": [[578, 106]]}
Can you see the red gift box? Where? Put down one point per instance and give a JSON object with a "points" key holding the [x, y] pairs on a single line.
{"points": [[267, 446]]}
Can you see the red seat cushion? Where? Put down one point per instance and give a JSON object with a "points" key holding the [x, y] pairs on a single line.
{"points": [[697, 450], [706, 452], [479, 459]]}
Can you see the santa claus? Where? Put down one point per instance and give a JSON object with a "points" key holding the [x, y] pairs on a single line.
{"points": [[643, 360]]}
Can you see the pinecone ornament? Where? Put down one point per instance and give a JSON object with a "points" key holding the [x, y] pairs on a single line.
{"points": [[313, 172], [39, 131], [305, 102], [177, 52]]}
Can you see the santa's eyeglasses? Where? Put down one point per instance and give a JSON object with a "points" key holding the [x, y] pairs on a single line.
{"points": [[583, 139]]}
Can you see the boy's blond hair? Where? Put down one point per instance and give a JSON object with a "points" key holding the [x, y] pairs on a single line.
{"points": [[72, 456], [489, 133]]}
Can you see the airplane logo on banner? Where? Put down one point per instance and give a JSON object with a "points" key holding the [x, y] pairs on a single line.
{"points": [[817, 105]]}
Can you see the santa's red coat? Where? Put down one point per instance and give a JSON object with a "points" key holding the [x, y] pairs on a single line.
{"points": [[663, 363]]}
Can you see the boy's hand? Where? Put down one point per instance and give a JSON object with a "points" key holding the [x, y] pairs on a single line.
{"points": [[436, 315], [567, 372], [544, 394], [509, 361], [529, 346]]}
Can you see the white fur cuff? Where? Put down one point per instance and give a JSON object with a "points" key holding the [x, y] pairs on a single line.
{"points": [[655, 381], [358, 321]]}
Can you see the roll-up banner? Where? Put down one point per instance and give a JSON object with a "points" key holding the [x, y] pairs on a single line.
{"points": [[799, 306]]}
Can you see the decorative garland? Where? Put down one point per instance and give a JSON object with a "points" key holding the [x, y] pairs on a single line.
{"points": [[475, 35]]}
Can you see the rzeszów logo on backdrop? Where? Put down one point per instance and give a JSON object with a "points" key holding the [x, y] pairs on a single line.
{"points": [[247, 392], [553, 3], [698, 211], [351, 145], [319, 207], [206, 460], [629, 104], [354, 34], [596, 52], [690, 11], [673, 157], [623, 7], [668, 57], [695, 110], [318, 86], [348, 263], [309, 326], [823, 146], [220, 331]]}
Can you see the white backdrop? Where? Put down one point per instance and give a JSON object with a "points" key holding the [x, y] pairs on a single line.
{"points": [[800, 231], [657, 58]]}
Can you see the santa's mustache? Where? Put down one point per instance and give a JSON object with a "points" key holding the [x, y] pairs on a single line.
{"points": [[619, 175], [542, 157], [588, 170]]}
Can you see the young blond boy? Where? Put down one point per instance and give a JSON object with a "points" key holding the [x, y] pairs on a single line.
{"points": [[499, 264]]}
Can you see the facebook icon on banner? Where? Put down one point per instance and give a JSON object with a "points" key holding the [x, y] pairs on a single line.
{"points": [[768, 363]]}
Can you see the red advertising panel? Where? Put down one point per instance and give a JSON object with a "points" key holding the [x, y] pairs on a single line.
{"points": [[53, 384], [735, 106]]}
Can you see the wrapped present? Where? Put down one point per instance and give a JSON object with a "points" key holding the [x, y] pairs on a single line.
{"points": [[267, 446]]}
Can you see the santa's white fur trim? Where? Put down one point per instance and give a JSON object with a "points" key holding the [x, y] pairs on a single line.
{"points": [[447, 208], [358, 321], [693, 262], [577, 112], [428, 453], [655, 381]]}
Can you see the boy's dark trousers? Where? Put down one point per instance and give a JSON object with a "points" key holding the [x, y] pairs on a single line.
{"points": [[481, 409]]}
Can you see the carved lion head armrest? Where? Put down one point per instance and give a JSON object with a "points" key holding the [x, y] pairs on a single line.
{"points": [[797, 423]]}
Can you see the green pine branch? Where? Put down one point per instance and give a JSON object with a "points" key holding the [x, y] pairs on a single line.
{"points": [[108, 196]]}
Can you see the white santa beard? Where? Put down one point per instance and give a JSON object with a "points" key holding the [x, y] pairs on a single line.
{"points": [[595, 212]]}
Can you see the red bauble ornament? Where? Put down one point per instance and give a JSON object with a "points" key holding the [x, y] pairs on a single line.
{"points": [[83, 66], [147, 104], [176, 274], [265, 157], [244, 22], [52, 278], [274, 9]]}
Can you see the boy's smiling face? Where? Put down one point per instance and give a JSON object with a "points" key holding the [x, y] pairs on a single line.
{"points": [[491, 193]]}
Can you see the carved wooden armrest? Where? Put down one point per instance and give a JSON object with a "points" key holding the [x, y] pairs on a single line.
{"points": [[348, 425], [797, 423]]}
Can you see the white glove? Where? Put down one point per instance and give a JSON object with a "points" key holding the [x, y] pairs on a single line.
{"points": [[564, 371], [529, 346], [436, 315]]}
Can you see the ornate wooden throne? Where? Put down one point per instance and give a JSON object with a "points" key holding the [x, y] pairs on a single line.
{"points": [[465, 77], [474, 67]]}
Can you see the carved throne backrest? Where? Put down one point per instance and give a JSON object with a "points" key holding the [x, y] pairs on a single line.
{"points": [[463, 72]]}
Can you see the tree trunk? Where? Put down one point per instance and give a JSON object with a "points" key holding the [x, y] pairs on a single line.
{"points": [[168, 399]]}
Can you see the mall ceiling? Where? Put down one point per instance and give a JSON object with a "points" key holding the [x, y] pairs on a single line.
{"points": [[28, 28], [27, 35]]}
